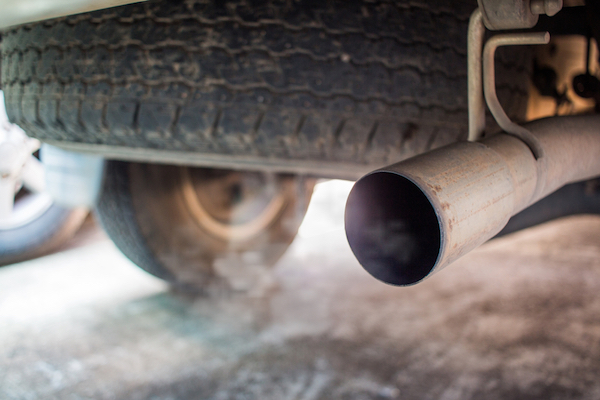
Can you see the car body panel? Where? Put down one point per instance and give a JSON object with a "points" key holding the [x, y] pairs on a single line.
{"points": [[24, 11]]}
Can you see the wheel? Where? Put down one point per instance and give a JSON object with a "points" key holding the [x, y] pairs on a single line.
{"points": [[202, 228], [36, 227], [352, 82]]}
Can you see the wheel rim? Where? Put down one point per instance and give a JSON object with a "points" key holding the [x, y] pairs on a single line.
{"points": [[232, 206], [27, 208]]}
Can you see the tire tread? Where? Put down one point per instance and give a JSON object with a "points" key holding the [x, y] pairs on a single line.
{"points": [[335, 75]]}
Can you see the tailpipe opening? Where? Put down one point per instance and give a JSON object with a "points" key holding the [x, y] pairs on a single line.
{"points": [[392, 228]]}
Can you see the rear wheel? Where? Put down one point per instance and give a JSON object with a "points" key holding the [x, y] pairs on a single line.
{"points": [[202, 228]]}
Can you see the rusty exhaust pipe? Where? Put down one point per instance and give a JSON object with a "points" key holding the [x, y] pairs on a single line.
{"points": [[411, 219]]}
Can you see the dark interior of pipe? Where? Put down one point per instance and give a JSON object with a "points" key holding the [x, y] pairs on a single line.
{"points": [[392, 228]]}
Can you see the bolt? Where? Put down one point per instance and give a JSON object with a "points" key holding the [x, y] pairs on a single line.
{"points": [[548, 7]]}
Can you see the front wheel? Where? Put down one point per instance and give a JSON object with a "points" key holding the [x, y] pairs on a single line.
{"points": [[197, 227], [36, 226]]}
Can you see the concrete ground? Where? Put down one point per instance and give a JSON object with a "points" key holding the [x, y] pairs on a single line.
{"points": [[518, 318]]}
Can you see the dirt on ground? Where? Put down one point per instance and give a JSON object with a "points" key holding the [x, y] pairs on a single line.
{"points": [[518, 318]]}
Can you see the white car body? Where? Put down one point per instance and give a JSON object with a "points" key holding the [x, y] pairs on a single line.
{"points": [[24, 11]]}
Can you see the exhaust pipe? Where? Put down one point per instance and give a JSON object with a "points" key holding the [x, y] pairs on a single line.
{"points": [[411, 219]]}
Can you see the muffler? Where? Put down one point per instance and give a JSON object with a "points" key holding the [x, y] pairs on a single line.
{"points": [[411, 219]]}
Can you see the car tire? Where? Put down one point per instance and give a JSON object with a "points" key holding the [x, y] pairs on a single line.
{"points": [[201, 229]]}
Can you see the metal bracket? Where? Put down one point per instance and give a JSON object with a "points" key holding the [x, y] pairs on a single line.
{"points": [[482, 81], [476, 103], [489, 85]]}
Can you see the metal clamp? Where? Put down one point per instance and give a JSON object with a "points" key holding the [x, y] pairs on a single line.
{"points": [[516, 14]]}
